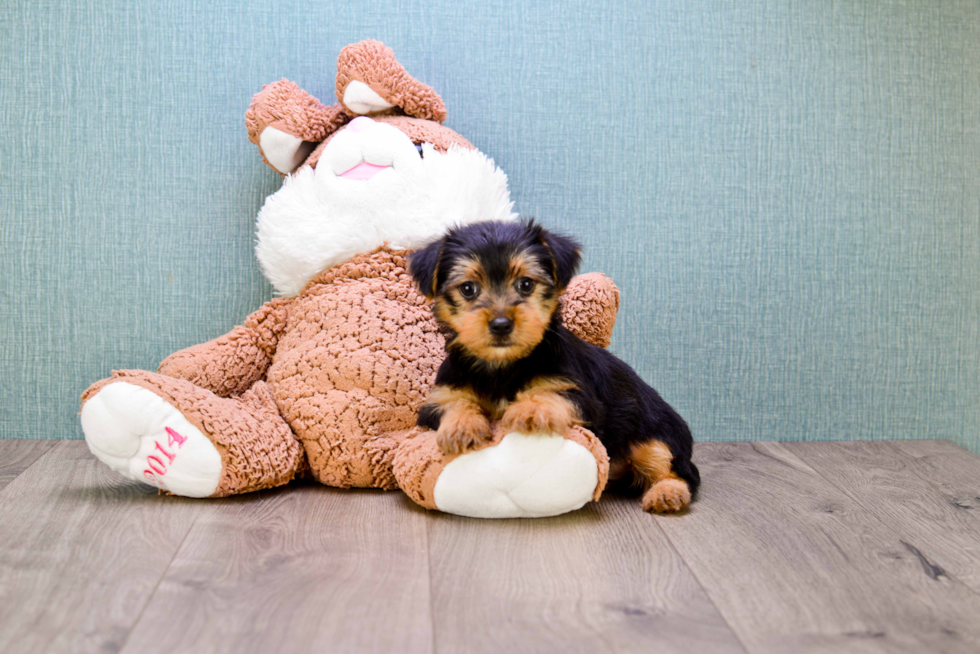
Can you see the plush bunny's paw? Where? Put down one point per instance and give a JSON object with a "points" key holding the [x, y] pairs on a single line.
{"points": [[142, 437], [516, 476], [524, 476]]}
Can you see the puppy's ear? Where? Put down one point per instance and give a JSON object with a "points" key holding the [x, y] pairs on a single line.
{"points": [[566, 254], [423, 265]]}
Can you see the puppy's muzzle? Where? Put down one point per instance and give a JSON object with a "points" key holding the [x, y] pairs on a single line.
{"points": [[501, 326]]}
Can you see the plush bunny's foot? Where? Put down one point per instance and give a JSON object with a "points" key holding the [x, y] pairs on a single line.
{"points": [[134, 432], [517, 476], [186, 440]]}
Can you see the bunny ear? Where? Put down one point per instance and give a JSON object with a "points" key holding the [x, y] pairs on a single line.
{"points": [[371, 81]]}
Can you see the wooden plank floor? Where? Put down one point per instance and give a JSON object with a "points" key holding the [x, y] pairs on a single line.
{"points": [[795, 547]]}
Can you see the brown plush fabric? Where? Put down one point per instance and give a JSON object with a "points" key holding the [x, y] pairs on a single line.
{"points": [[288, 108], [588, 440], [419, 462], [356, 361], [329, 382], [231, 364], [352, 358], [337, 372], [383, 452], [589, 308], [257, 448], [374, 64]]}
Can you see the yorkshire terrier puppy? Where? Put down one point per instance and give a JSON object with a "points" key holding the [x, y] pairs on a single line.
{"points": [[495, 287]]}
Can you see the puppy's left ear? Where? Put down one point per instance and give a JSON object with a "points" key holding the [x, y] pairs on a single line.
{"points": [[567, 255], [423, 265]]}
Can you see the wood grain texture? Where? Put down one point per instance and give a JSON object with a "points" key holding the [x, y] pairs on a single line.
{"points": [[17, 455], [81, 551], [823, 547], [928, 490], [603, 579], [796, 565], [299, 569]]}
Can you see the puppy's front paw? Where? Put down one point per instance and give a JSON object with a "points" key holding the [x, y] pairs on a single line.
{"points": [[462, 431], [540, 414]]}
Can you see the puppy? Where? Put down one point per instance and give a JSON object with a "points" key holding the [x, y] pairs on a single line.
{"points": [[495, 287]]}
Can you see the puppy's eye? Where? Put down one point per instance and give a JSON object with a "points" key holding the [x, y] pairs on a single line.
{"points": [[525, 286], [469, 290], [418, 146]]}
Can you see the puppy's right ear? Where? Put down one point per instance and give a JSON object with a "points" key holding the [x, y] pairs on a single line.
{"points": [[423, 265]]}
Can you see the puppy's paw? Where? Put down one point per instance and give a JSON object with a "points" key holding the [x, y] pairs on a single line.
{"points": [[541, 414], [667, 496], [462, 431]]}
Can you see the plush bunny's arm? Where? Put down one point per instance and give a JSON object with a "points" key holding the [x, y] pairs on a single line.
{"points": [[230, 364], [589, 306]]}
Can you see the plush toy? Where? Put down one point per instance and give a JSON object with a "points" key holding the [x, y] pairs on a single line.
{"points": [[326, 381]]}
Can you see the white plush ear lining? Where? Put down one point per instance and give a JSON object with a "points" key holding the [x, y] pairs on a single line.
{"points": [[284, 151], [362, 99]]}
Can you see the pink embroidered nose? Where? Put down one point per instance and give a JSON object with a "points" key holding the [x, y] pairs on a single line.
{"points": [[360, 124]]}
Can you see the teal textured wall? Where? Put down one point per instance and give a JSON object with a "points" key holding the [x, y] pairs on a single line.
{"points": [[788, 193]]}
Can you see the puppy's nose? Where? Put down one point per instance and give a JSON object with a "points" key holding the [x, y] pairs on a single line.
{"points": [[501, 326]]}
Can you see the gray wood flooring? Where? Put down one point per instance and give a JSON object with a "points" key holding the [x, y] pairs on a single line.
{"points": [[793, 547]]}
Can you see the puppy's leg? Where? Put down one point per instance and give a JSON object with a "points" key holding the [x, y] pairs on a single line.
{"points": [[664, 491], [459, 419], [541, 409]]}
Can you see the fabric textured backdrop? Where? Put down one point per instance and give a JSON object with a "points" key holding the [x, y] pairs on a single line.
{"points": [[787, 193]]}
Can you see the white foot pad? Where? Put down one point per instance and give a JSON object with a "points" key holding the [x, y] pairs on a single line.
{"points": [[524, 476], [139, 435]]}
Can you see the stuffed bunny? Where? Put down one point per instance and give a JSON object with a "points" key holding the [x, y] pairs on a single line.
{"points": [[327, 380]]}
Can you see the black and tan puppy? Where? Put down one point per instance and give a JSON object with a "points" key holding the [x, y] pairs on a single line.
{"points": [[495, 287]]}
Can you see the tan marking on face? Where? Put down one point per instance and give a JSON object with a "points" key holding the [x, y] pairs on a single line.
{"points": [[470, 320], [466, 270], [531, 321], [540, 408], [524, 265]]}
